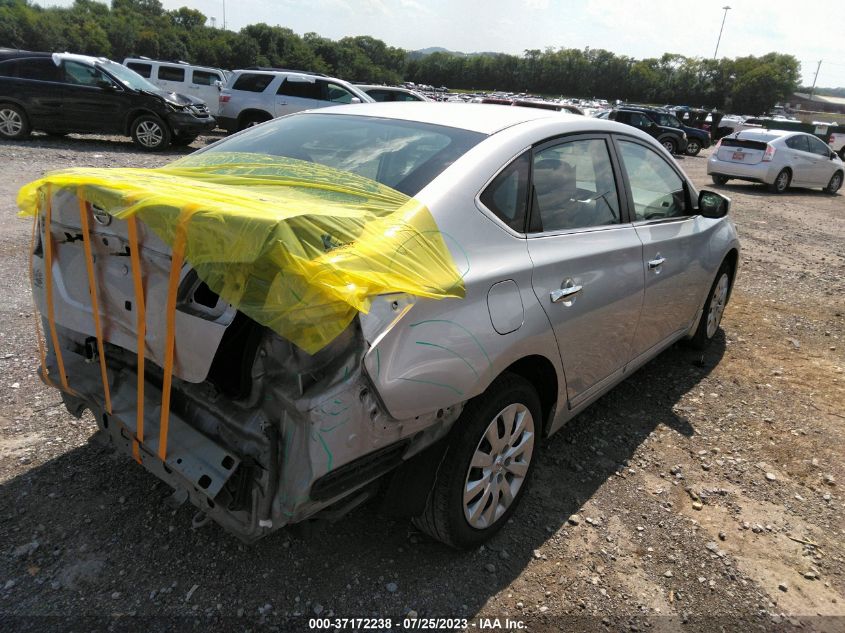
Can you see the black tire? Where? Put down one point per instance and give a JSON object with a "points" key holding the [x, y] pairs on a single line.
{"points": [[842, 153], [444, 518], [693, 147], [14, 124], [782, 181], [719, 179], [254, 118], [834, 184], [670, 145], [183, 141], [705, 331], [150, 133]]}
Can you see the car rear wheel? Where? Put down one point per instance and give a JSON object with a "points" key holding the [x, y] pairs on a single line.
{"points": [[711, 318], [842, 153], [487, 466], [13, 122], [719, 179], [150, 133], [670, 145], [249, 120], [835, 183], [781, 182], [693, 147]]}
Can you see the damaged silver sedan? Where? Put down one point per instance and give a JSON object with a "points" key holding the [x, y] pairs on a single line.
{"points": [[583, 251]]}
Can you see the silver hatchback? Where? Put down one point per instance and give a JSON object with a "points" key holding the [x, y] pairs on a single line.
{"points": [[584, 250], [777, 158]]}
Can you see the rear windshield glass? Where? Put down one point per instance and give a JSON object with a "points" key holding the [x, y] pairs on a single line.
{"points": [[404, 155], [741, 142]]}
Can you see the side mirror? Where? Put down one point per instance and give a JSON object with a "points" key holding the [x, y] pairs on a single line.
{"points": [[354, 100], [833, 156], [713, 205]]}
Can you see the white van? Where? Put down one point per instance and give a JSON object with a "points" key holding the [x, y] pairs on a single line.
{"points": [[198, 81]]}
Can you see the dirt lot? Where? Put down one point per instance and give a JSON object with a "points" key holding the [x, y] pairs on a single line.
{"points": [[703, 494]]}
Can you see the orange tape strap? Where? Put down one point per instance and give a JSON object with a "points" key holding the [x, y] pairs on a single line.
{"points": [[48, 287], [141, 329], [92, 290], [176, 260], [42, 354]]}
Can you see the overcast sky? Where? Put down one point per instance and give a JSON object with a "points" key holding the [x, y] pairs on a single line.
{"points": [[810, 29]]}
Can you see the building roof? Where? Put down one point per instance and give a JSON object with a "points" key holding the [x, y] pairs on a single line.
{"points": [[820, 98]]}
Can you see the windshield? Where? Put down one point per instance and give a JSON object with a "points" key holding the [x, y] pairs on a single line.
{"points": [[127, 76], [404, 155]]}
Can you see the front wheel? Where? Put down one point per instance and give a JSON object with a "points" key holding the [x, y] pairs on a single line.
{"points": [[670, 145], [693, 147], [835, 183], [13, 122], [487, 466], [711, 318], [183, 140], [150, 133], [781, 182]]}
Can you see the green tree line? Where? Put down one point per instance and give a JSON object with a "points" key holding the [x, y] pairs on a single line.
{"points": [[143, 27]]}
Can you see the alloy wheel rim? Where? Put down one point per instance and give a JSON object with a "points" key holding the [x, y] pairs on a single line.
{"points": [[670, 146], [692, 146], [782, 178], [149, 133], [717, 305], [499, 466], [11, 122], [836, 182]]}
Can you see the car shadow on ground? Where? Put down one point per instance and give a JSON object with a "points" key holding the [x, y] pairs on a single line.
{"points": [[103, 529]]}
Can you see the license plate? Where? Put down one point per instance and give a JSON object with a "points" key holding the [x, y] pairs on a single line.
{"points": [[738, 156]]}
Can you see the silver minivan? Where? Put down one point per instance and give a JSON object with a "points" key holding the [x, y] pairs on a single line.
{"points": [[202, 82]]}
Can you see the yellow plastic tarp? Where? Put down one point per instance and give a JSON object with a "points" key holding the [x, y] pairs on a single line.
{"points": [[296, 246]]}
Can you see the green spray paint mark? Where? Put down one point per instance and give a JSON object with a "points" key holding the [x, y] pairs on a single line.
{"points": [[333, 413], [436, 384], [332, 428], [330, 459], [378, 363], [452, 352], [471, 335]]}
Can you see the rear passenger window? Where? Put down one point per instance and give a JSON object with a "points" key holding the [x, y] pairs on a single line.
{"points": [[302, 89], [42, 69], [145, 70], [507, 195], [798, 143], [171, 73], [205, 78], [657, 190], [574, 186], [251, 82]]}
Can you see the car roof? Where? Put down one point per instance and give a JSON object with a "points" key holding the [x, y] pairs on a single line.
{"points": [[485, 118]]}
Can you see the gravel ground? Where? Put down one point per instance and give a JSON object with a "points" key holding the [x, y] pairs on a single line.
{"points": [[704, 493]]}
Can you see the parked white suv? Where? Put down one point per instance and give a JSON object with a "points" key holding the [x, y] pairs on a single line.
{"points": [[255, 96], [837, 143], [202, 82]]}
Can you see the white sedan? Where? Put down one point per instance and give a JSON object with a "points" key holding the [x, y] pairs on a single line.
{"points": [[777, 158]]}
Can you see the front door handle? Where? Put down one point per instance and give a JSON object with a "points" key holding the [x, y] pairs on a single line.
{"points": [[563, 293], [657, 261]]}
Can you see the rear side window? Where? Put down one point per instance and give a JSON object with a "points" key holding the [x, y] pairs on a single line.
{"points": [[798, 143], [507, 195], [205, 78], [42, 69], [145, 70], [658, 191], [171, 73], [302, 89], [252, 82]]}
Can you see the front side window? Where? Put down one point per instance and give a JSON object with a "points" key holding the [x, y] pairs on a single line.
{"points": [[145, 70], [171, 73], [507, 195], [205, 78], [658, 191], [574, 186], [640, 120], [817, 147], [253, 82], [336, 93], [84, 75]]}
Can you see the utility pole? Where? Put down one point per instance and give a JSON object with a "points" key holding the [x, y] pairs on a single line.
{"points": [[224, 15], [818, 68], [724, 17]]}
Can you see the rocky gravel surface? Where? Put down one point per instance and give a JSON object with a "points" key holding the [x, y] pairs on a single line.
{"points": [[702, 494]]}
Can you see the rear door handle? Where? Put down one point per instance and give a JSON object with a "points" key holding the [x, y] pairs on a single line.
{"points": [[560, 294], [657, 261]]}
